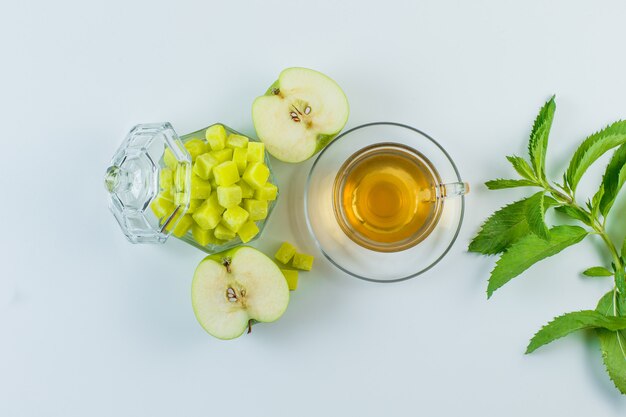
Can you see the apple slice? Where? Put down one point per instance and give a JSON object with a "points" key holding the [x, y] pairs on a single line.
{"points": [[300, 114], [232, 289]]}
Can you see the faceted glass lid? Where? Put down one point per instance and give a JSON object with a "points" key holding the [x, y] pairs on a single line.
{"points": [[149, 154]]}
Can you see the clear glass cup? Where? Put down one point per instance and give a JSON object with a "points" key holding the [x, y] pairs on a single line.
{"points": [[136, 193], [371, 260]]}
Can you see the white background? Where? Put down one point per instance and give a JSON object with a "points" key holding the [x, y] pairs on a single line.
{"points": [[91, 325]]}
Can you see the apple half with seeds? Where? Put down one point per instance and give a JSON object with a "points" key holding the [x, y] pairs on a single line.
{"points": [[300, 114], [232, 290]]}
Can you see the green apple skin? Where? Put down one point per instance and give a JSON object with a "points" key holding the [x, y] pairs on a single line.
{"points": [[223, 258], [323, 139]]}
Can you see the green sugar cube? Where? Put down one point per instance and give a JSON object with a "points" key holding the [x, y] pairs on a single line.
{"points": [[256, 174], [267, 192], [302, 261], [166, 178], [240, 157], [292, 278], [162, 206], [194, 204], [209, 214], [236, 141], [226, 173], [212, 182], [229, 196], [224, 233], [216, 136], [285, 252], [204, 164], [200, 189], [247, 231], [256, 151], [246, 190], [183, 226], [223, 155], [256, 208], [196, 147], [234, 218]]}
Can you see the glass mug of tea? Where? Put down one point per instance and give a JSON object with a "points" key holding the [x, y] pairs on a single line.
{"points": [[384, 202]]}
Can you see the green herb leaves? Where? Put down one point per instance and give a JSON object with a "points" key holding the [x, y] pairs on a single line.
{"points": [[538, 144], [593, 148], [503, 228], [518, 233], [531, 249], [613, 180], [571, 322], [613, 342]]}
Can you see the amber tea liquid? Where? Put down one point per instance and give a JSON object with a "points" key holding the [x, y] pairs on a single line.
{"points": [[384, 197]]}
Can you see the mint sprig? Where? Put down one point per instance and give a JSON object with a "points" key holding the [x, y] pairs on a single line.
{"points": [[518, 233]]}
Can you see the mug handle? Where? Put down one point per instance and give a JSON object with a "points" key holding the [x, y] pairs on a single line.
{"points": [[453, 189]]}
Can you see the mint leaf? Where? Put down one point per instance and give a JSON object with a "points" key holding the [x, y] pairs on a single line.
{"points": [[535, 215], [522, 167], [500, 184], [538, 143], [529, 250], [563, 325], [613, 180], [613, 343], [593, 148], [594, 205], [597, 271], [503, 228], [574, 213]]}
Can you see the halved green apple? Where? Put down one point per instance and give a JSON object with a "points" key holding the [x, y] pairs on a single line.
{"points": [[300, 114], [233, 289]]}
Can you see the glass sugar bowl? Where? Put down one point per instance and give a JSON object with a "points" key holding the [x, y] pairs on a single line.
{"points": [[213, 188]]}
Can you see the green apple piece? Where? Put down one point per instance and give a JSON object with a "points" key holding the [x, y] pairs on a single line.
{"points": [[183, 226], [235, 141], [223, 232], [194, 204], [229, 196], [204, 164], [256, 152], [267, 192], [209, 214], [234, 218], [196, 147], [203, 237], [224, 155], [302, 261], [248, 231], [226, 173], [240, 158], [285, 252], [256, 208], [291, 276], [162, 206], [300, 114], [216, 136], [166, 179], [246, 190], [180, 199], [169, 159], [232, 289], [256, 174], [200, 189]]}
